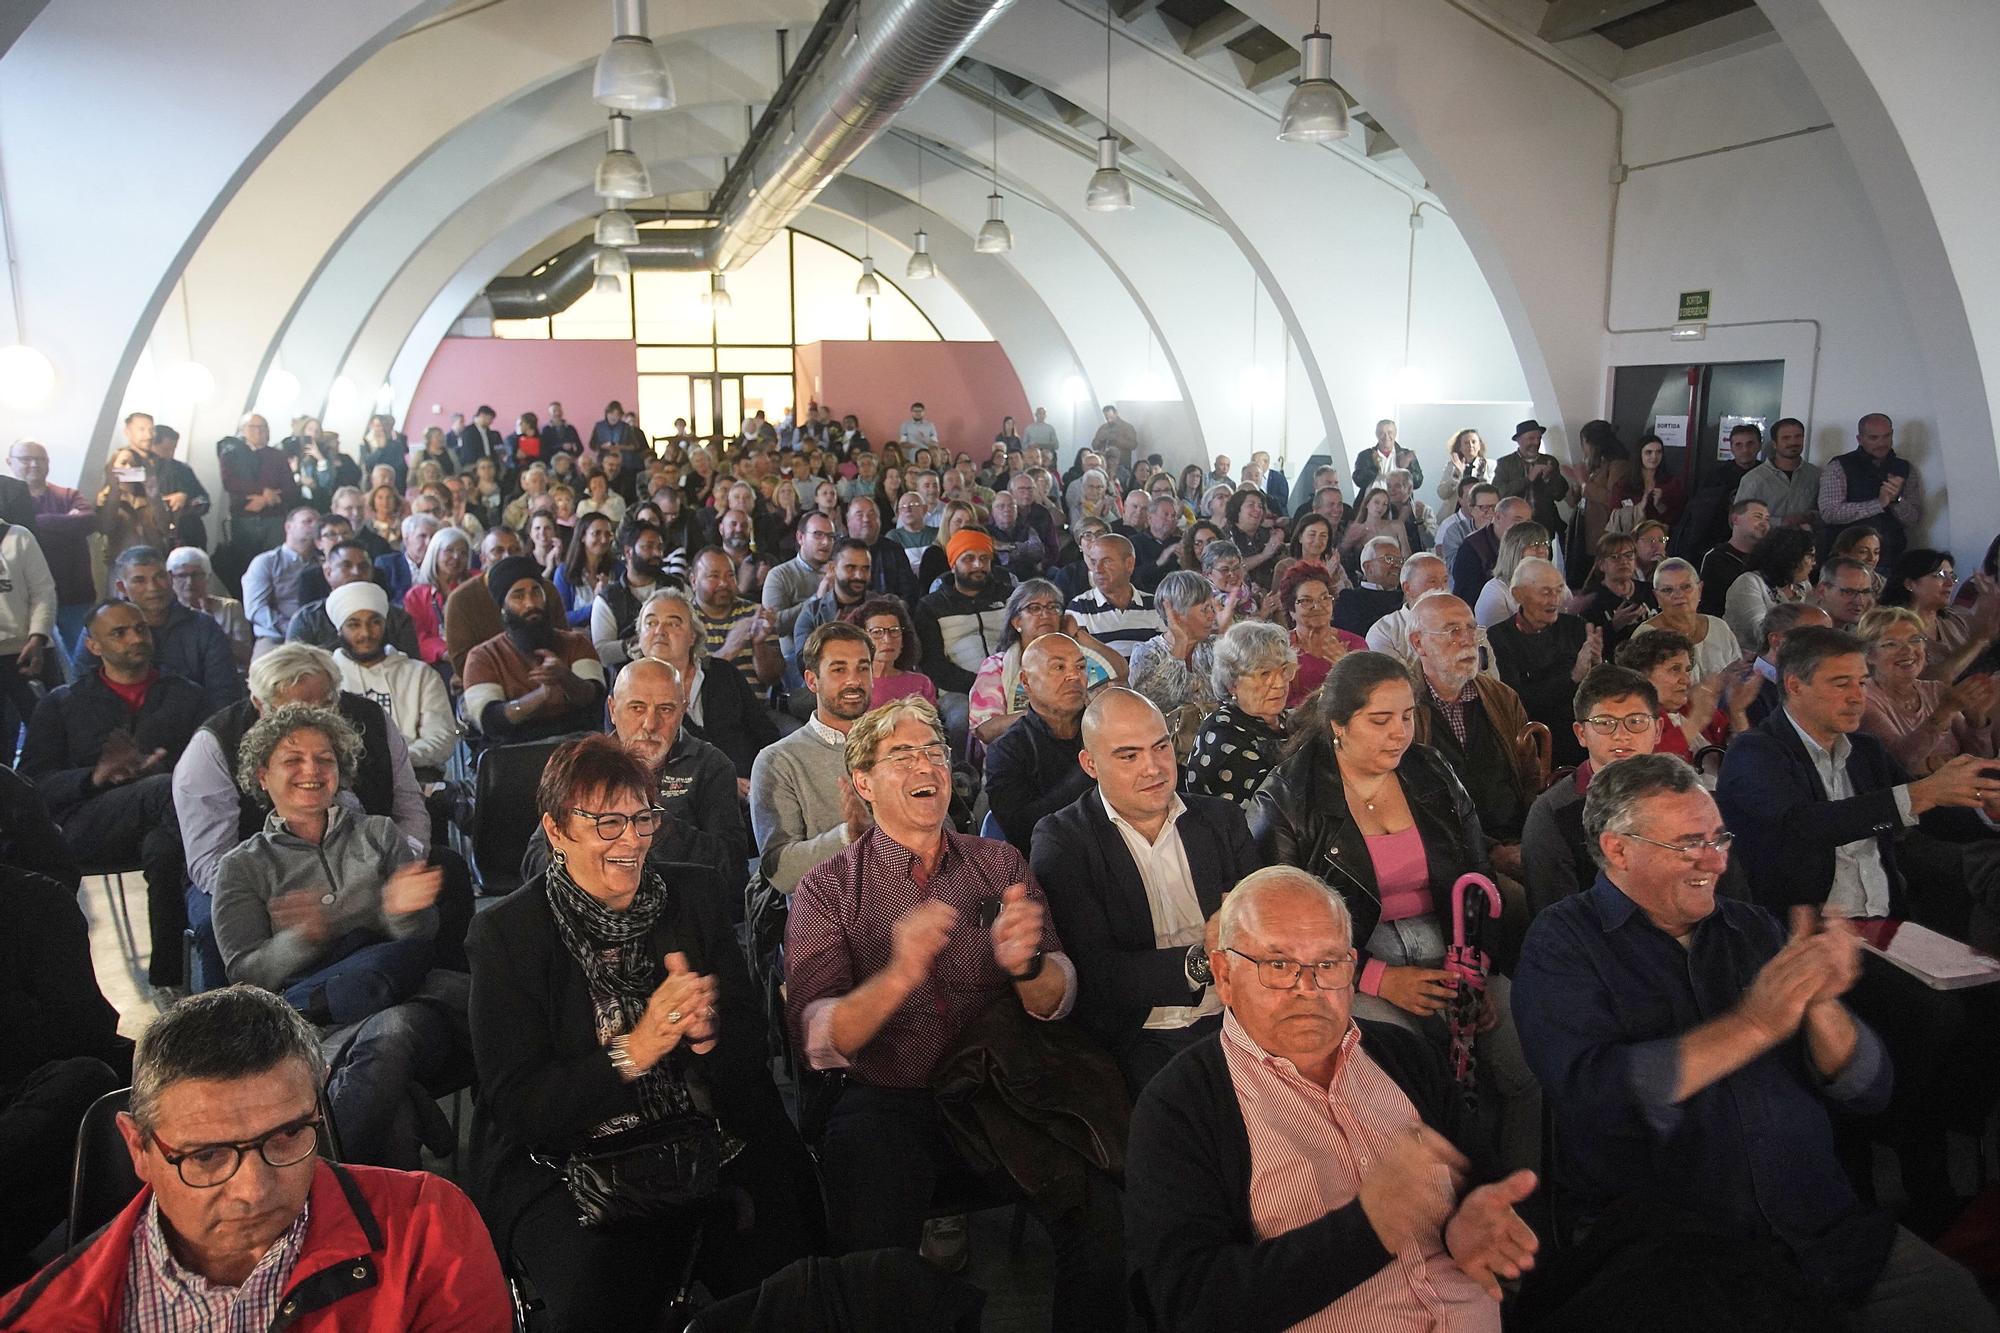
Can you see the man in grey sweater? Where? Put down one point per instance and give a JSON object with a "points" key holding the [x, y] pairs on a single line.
{"points": [[788, 587], [803, 810]]}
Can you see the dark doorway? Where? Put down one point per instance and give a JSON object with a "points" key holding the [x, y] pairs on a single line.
{"points": [[1705, 395]]}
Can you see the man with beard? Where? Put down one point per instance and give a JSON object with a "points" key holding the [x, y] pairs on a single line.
{"points": [[734, 628], [98, 750], [791, 585], [346, 565], [531, 680], [702, 818], [889, 566], [185, 643], [847, 584], [749, 567], [959, 626], [803, 809], [1032, 769], [471, 616], [718, 706], [614, 616], [411, 693]]}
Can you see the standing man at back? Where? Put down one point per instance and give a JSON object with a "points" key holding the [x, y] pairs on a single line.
{"points": [[1873, 487]]}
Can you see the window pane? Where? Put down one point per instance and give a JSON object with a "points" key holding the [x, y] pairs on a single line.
{"points": [[772, 393], [594, 316], [760, 308], [658, 360], [520, 328], [732, 405], [661, 399], [824, 292], [768, 360], [897, 319], [704, 405], [670, 307]]}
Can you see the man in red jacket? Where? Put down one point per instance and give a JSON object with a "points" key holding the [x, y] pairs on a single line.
{"points": [[239, 1209]]}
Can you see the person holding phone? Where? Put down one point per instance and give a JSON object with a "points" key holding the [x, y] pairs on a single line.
{"points": [[129, 509]]}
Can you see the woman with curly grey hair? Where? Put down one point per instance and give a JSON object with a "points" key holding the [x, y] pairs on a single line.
{"points": [[336, 912], [1243, 739]]}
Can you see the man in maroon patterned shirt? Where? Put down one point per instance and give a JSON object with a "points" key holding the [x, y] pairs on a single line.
{"points": [[892, 948]]}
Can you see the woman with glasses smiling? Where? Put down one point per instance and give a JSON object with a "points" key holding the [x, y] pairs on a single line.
{"points": [[608, 998], [1924, 580], [1923, 722], [886, 622]]}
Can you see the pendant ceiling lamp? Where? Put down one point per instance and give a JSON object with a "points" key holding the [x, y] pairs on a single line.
{"points": [[607, 284], [1316, 112], [610, 259], [615, 226], [717, 295], [921, 264], [867, 286], [1110, 190], [621, 175], [631, 74], [995, 237]]}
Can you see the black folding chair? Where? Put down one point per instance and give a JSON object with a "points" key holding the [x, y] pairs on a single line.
{"points": [[503, 812]]}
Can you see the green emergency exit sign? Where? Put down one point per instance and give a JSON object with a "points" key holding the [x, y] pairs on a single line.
{"points": [[1694, 305]]}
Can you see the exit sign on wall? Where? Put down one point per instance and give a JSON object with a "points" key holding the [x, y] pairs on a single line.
{"points": [[1694, 305]]}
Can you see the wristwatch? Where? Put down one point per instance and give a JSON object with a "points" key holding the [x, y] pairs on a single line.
{"points": [[1198, 973], [1034, 968]]}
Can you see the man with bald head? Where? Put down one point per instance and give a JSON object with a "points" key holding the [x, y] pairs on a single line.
{"points": [[1477, 554], [1112, 609], [703, 821], [1304, 1167], [1032, 770], [1135, 870], [1422, 573], [1873, 487], [64, 521]]}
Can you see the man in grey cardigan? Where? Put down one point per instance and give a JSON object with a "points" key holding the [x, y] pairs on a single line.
{"points": [[803, 810]]}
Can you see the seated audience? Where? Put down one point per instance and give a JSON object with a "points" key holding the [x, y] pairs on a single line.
{"points": [[531, 680], [1617, 717], [97, 751], [960, 625], [999, 696], [1474, 723], [1481, 548], [1816, 806], [1846, 592], [337, 913], [1132, 907], [1543, 651], [228, 1081], [1924, 580], [347, 566], [592, 563], [1779, 569], [788, 587], [886, 621], [1712, 644], [1496, 600], [720, 707], [1389, 816], [1694, 716], [890, 957], [614, 616], [889, 571], [471, 616], [1749, 523], [446, 567], [411, 693], [1307, 594], [1113, 611], [1477, 501], [844, 587], [1032, 769], [1174, 670], [609, 1000], [1616, 598], [1692, 1052], [1781, 620], [1379, 593], [1243, 740], [186, 643], [271, 595], [1922, 722], [803, 810], [1308, 1168], [193, 575], [1421, 573]]}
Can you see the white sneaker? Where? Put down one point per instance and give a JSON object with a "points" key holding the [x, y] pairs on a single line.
{"points": [[944, 1244]]}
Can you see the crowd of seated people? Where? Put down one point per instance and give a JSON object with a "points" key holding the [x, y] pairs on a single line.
{"points": [[1091, 838]]}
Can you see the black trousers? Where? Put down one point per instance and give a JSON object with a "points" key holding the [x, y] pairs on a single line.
{"points": [[884, 1154], [135, 824], [38, 1124]]}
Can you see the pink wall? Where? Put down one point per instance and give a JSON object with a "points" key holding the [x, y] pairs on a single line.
{"points": [[965, 387], [521, 375]]}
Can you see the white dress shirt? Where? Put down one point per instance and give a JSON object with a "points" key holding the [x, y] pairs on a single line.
{"points": [[1860, 883], [1177, 918]]}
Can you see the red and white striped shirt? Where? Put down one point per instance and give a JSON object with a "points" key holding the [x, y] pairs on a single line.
{"points": [[1309, 1148]]}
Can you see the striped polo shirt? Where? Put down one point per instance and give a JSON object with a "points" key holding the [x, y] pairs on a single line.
{"points": [[1121, 628]]}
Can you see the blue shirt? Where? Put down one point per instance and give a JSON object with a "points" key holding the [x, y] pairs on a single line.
{"points": [[1602, 998]]}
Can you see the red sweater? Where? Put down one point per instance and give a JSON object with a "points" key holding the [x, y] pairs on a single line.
{"points": [[385, 1249]]}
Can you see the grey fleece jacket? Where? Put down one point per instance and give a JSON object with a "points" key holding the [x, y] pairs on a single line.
{"points": [[795, 806], [351, 863]]}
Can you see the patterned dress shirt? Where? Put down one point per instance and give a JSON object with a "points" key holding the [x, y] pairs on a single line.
{"points": [[163, 1297]]}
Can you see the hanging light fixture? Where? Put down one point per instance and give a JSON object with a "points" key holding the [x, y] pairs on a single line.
{"points": [[1316, 112], [615, 226], [610, 259], [717, 295], [995, 238], [867, 286], [921, 264], [607, 284], [621, 175], [631, 74], [1110, 190]]}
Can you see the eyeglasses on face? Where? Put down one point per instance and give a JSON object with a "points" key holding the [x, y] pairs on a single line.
{"points": [[1689, 849], [1604, 724], [611, 825], [1462, 632], [212, 1164], [883, 633], [1284, 973], [909, 757], [1041, 608]]}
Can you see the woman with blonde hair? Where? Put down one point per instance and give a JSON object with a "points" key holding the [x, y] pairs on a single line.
{"points": [[1923, 722], [1465, 458]]}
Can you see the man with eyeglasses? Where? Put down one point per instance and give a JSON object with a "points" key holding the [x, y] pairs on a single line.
{"points": [[1379, 594], [894, 949], [1693, 1047], [241, 1222], [1846, 591], [1473, 564], [64, 521], [1466, 519], [1304, 1168], [1617, 718], [1422, 573], [788, 587]]}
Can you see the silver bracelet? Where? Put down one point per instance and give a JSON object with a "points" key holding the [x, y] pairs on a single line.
{"points": [[621, 1058]]}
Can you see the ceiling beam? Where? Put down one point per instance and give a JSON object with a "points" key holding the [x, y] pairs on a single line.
{"points": [[1133, 10], [1218, 32], [1574, 18], [1268, 74]]}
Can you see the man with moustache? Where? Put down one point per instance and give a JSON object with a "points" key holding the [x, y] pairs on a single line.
{"points": [[347, 564], [734, 628], [846, 584], [614, 615], [717, 706], [959, 626], [803, 809], [409, 691], [1032, 769], [532, 680], [889, 567]]}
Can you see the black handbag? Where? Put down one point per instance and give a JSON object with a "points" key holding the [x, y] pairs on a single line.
{"points": [[646, 1172]]}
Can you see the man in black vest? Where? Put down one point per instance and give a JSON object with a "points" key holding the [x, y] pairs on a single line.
{"points": [[98, 752], [1872, 487], [1133, 872]]}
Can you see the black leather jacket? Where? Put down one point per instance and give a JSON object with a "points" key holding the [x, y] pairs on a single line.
{"points": [[1299, 817]]}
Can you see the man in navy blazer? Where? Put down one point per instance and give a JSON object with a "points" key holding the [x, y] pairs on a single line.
{"points": [[1824, 816], [1133, 872]]}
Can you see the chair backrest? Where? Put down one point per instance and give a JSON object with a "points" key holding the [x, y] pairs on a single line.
{"points": [[989, 827], [102, 1181], [503, 808], [1536, 746]]}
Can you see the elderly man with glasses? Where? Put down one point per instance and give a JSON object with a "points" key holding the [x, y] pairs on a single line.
{"points": [[895, 948], [1300, 1168]]}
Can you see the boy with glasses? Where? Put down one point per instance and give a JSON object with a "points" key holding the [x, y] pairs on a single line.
{"points": [[1617, 717]]}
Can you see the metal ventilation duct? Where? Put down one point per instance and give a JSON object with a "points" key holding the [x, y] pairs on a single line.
{"points": [[854, 75]]}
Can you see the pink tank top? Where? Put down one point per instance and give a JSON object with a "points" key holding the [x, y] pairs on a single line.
{"points": [[1402, 874]]}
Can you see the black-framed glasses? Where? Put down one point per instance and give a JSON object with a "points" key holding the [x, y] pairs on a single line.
{"points": [[1604, 724], [1688, 848], [1284, 973], [611, 826], [212, 1164]]}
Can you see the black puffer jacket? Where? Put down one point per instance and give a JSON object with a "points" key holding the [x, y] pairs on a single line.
{"points": [[1299, 817]]}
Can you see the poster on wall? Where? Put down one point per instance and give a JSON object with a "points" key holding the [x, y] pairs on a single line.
{"points": [[1729, 423], [1672, 430]]}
